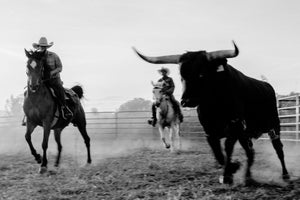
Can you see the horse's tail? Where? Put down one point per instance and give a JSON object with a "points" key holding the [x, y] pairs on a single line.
{"points": [[78, 90]]}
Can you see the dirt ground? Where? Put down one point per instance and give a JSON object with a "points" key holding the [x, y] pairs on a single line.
{"points": [[146, 171]]}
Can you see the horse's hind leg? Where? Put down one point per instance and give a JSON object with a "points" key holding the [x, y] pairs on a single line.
{"points": [[82, 128], [57, 134], [278, 146], [29, 129]]}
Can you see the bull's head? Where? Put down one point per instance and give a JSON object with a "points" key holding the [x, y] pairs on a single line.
{"points": [[194, 66]]}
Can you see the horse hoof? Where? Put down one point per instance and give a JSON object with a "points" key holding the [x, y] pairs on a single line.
{"points": [[38, 158], [168, 146], [42, 170], [286, 177]]}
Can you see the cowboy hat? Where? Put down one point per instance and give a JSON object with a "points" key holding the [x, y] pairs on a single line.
{"points": [[42, 43], [164, 69]]}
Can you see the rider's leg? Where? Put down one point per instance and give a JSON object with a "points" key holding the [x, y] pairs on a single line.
{"points": [[60, 93]]}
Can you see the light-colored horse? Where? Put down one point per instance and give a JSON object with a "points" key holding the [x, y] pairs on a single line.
{"points": [[168, 121]]}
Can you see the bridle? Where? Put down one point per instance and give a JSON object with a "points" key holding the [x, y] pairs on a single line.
{"points": [[40, 80]]}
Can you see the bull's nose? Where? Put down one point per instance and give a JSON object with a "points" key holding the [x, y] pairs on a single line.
{"points": [[188, 103]]}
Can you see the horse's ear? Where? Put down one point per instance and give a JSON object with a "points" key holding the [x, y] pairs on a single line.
{"points": [[27, 53]]}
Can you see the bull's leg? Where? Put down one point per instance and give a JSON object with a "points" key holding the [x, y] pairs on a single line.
{"points": [[162, 136], [215, 145], [278, 146], [57, 134], [230, 168], [29, 129], [247, 144]]}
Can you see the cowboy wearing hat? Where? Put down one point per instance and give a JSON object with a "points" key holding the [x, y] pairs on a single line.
{"points": [[168, 90], [51, 74]]}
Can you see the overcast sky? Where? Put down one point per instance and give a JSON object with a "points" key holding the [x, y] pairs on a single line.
{"points": [[94, 38]]}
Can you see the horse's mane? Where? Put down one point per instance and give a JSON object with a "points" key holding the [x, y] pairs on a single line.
{"points": [[36, 54]]}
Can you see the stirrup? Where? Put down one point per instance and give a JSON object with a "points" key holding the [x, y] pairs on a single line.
{"points": [[68, 114]]}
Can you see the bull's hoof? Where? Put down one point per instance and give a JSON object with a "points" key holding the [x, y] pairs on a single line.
{"points": [[226, 179], [234, 167], [38, 158], [250, 182], [286, 177], [42, 170]]}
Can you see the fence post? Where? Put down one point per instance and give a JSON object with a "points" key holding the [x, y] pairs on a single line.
{"points": [[297, 117], [116, 126]]}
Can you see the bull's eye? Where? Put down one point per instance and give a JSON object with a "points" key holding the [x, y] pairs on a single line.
{"points": [[33, 64]]}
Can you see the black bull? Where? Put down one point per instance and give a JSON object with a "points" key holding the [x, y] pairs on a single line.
{"points": [[229, 104]]}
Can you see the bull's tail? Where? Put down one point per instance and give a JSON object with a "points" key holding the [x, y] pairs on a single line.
{"points": [[78, 90]]}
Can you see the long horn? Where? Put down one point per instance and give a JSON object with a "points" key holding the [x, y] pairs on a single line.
{"points": [[224, 53], [172, 59]]}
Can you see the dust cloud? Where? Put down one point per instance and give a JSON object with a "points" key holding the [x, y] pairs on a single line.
{"points": [[103, 145]]}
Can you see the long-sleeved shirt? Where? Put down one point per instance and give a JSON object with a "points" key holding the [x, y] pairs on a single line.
{"points": [[54, 65], [169, 85]]}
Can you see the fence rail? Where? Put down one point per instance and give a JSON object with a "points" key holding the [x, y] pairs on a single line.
{"points": [[135, 122]]}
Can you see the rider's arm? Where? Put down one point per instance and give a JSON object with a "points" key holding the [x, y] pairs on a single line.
{"points": [[58, 66], [169, 89]]}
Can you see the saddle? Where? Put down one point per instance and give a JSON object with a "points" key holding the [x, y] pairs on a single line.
{"points": [[71, 100]]}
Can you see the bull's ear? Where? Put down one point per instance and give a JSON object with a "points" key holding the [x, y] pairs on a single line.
{"points": [[27, 53]]}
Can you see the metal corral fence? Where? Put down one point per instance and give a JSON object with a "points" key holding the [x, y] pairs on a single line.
{"points": [[134, 123]]}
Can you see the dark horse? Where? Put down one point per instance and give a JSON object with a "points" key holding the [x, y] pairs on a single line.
{"points": [[41, 109]]}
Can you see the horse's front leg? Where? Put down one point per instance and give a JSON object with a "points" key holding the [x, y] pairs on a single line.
{"points": [[47, 129], [162, 136], [29, 129], [176, 130]]}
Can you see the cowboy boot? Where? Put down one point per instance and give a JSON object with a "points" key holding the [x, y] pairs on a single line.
{"points": [[66, 112]]}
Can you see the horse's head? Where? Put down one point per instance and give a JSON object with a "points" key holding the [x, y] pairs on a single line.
{"points": [[34, 69], [157, 93]]}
